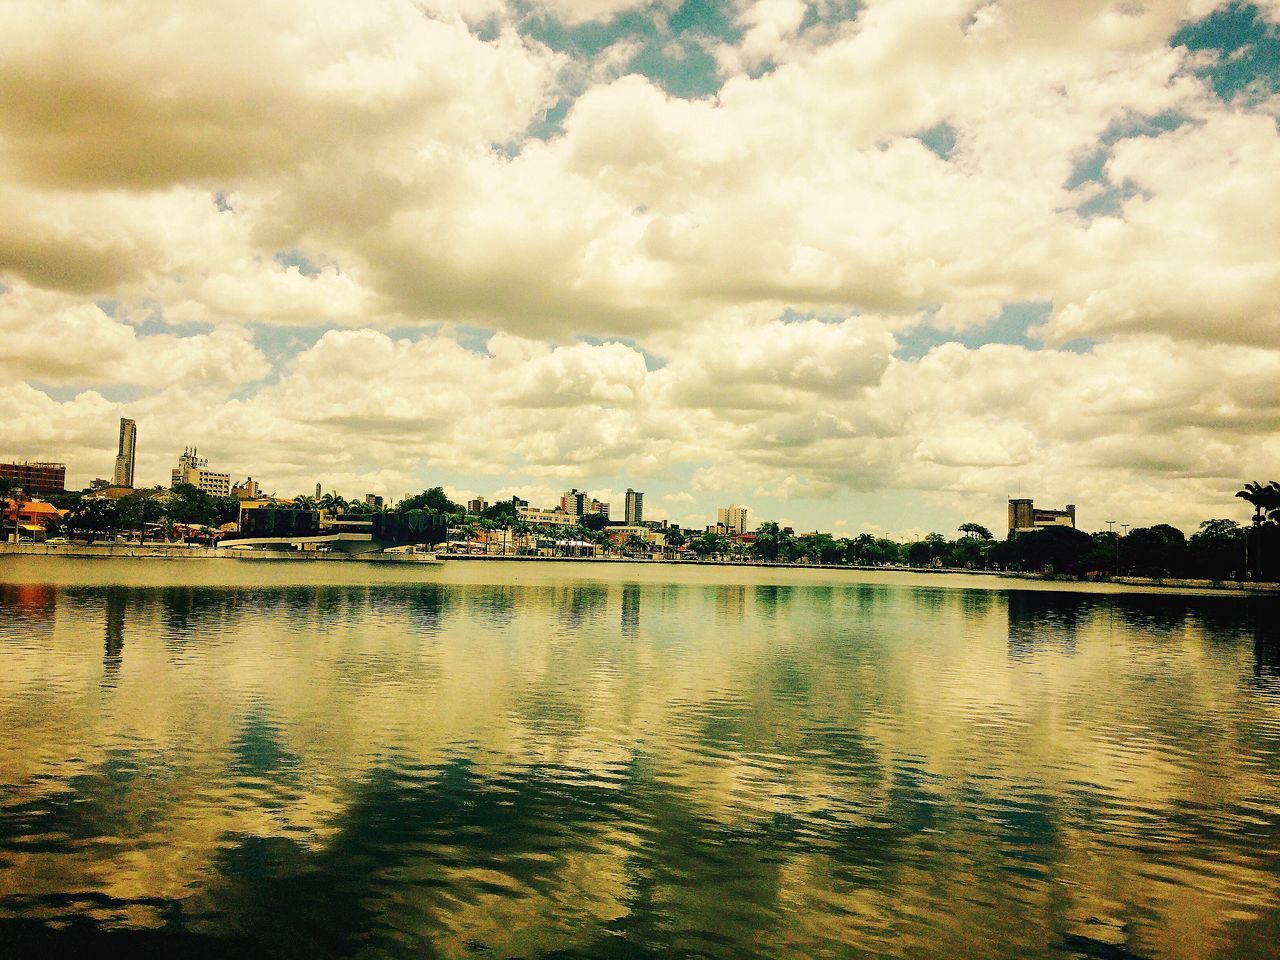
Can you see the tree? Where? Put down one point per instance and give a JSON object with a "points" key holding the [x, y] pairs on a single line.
{"points": [[975, 531], [1265, 500], [709, 544], [1158, 551], [503, 512], [594, 521], [92, 518], [636, 544], [434, 500], [675, 537], [1217, 550], [191, 505], [1062, 549], [823, 548]]}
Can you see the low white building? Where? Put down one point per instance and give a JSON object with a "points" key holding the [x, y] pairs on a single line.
{"points": [[192, 469]]}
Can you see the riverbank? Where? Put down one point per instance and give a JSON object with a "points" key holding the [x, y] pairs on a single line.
{"points": [[1173, 583], [182, 551], [161, 551]]}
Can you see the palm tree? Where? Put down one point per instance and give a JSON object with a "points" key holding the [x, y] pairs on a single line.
{"points": [[1266, 510]]}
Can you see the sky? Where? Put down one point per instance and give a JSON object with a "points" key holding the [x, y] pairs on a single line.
{"points": [[858, 266]]}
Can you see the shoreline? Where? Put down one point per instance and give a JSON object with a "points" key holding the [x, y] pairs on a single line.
{"points": [[180, 552]]}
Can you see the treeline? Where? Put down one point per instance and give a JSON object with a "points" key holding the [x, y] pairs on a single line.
{"points": [[157, 511]]}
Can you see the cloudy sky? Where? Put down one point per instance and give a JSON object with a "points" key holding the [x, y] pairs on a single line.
{"points": [[857, 265]]}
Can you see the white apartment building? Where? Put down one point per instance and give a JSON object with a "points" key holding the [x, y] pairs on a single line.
{"points": [[544, 518], [191, 469]]}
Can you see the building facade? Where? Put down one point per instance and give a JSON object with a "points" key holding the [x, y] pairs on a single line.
{"points": [[126, 455], [373, 500], [634, 512], [248, 489], [477, 506], [36, 477], [732, 518], [574, 502], [1025, 518], [192, 469], [544, 518]]}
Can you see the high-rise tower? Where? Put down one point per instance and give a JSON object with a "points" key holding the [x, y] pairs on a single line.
{"points": [[123, 476], [635, 507]]}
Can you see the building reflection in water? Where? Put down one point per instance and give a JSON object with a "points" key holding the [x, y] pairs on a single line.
{"points": [[113, 642], [630, 610]]}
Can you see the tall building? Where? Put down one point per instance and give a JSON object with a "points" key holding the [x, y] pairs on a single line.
{"points": [[37, 477], [123, 476], [1025, 518], [598, 507], [733, 518], [249, 489], [574, 502], [634, 515], [477, 506], [191, 469], [373, 500]]}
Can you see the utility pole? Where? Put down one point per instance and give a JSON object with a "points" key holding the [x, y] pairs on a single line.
{"points": [[1115, 543]]}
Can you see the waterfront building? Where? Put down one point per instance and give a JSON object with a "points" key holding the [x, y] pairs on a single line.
{"points": [[1025, 518], [127, 453], [248, 489], [477, 506], [634, 512], [598, 507], [574, 502], [27, 519], [36, 476], [193, 469], [373, 500], [733, 519], [544, 518]]}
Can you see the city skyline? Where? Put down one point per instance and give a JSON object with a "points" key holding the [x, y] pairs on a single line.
{"points": [[873, 268]]}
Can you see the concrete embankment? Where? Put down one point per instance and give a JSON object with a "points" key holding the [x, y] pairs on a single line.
{"points": [[182, 551], [1173, 583]]}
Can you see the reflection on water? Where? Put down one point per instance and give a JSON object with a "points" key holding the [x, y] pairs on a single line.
{"points": [[573, 767]]}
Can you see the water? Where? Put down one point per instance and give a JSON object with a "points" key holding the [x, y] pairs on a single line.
{"points": [[581, 761]]}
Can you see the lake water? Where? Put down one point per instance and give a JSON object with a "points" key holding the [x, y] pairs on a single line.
{"points": [[557, 760]]}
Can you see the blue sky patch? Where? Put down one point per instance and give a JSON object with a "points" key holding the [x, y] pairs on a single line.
{"points": [[1248, 49]]}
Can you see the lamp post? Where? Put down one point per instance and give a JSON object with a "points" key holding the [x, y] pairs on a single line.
{"points": [[1115, 543]]}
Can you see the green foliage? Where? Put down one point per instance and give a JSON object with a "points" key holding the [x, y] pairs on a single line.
{"points": [[975, 531], [188, 504], [503, 513], [434, 501], [594, 521], [709, 544]]}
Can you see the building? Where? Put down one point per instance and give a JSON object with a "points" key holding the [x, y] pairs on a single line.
{"points": [[191, 469], [125, 457], [634, 513], [733, 519], [27, 519], [477, 506], [373, 500], [598, 507], [1025, 518], [37, 476], [249, 489], [544, 518], [574, 502]]}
